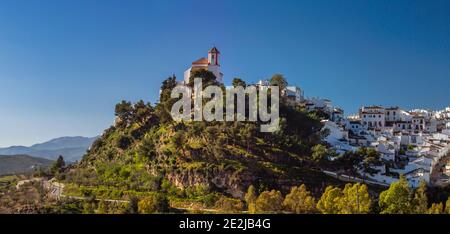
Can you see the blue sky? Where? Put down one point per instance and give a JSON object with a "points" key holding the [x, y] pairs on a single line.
{"points": [[64, 64]]}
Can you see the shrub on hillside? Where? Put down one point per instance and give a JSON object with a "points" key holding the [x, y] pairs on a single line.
{"points": [[124, 141], [156, 203]]}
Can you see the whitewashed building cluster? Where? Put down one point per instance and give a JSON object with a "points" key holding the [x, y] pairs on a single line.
{"points": [[411, 143]]}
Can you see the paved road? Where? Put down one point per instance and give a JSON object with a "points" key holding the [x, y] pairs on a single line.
{"points": [[353, 179]]}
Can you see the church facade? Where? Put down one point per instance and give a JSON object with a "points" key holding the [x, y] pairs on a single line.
{"points": [[211, 63]]}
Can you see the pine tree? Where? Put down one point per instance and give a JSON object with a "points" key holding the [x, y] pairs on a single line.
{"points": [[166, 88], [279, 80], [396, 200], [228, 205], [300, 201], [329, 202], [156, 203], [420, 201], [319, 152], [59, 165], [355, 200], [269, 202], [238, 82]]}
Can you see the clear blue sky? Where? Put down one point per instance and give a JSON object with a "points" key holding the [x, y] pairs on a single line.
{"points": [[64, 64]]}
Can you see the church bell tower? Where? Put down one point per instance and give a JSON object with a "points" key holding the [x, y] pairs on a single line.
{"points": [[213, 56]]}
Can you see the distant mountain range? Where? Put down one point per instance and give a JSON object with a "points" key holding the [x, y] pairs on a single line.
{"points": [[11, 164], [71, 148]]}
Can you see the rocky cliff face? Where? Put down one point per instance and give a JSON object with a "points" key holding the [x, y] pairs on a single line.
{"points": [[230, 183]]}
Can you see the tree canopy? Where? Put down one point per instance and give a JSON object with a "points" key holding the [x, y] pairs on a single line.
{"points": [[319, 152], [269, 202], [396, 200], [156, 203], [300, 201], [329, 202], [278, 80], [58, 165], [420, 200], [355, 199], [238, 82]]}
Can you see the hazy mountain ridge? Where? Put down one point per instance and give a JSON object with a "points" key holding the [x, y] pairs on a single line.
{"points": [[11, 164], [72, 148]]}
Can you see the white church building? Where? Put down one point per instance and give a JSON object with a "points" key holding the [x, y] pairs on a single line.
{"points": [[210, 64]]}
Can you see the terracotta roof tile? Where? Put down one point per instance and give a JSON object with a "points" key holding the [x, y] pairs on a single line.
{"points": [[201, 61]]}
